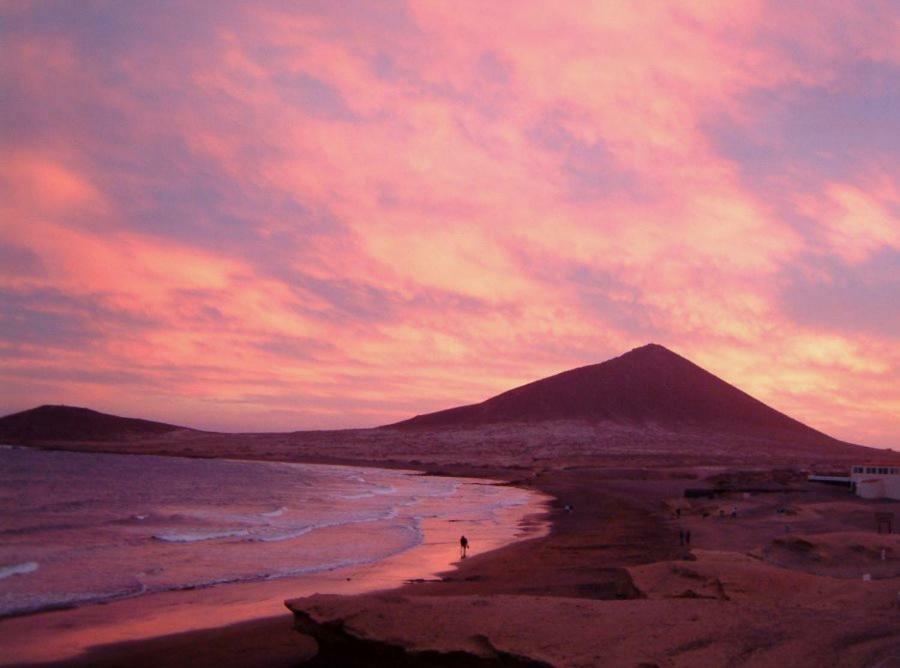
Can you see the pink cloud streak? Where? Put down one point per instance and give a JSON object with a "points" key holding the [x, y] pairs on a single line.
{"points": [[275, 218]]}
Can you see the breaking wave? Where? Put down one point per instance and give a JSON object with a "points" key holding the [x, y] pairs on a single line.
{"points": [[199, 536], [18, 569]]}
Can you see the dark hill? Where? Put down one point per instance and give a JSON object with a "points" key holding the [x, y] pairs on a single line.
{"points": [[649, 385], [68, 423]]}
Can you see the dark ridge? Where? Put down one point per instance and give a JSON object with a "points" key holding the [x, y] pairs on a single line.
{"points": [[69, 423], [339, 646], [648, 385]]}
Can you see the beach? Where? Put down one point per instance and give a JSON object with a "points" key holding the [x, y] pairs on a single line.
{"points": [[780, 582], [595, 571], [778, 570]]}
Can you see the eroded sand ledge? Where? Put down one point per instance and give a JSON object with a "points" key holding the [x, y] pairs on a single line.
{"points": [[341, 641]]}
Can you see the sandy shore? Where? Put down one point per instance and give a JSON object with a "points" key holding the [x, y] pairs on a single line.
{"points": [[772, 576], [779, 583]]}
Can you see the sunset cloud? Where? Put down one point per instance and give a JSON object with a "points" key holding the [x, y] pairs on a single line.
{"points": [[269, 216]]}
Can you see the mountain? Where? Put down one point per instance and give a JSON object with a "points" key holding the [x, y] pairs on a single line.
{"points": [[648, 385], [69, 423]]}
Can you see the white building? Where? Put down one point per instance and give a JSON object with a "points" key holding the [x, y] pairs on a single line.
{"points": [[876, 481]]}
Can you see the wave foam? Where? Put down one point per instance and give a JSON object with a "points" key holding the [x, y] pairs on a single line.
{"points": [[297, 532], [287, 535], [18, 569], [45, 602], [197, 537], [275, 513]]}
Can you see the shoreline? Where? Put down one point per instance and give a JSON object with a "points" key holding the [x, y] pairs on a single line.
{"points": [[72, 635], [522, 567], [611, 585], [777, 583]]}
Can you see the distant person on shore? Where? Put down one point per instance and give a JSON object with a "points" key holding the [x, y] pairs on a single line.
{"points": [[687, 537], [463, 546], [681, 536]]}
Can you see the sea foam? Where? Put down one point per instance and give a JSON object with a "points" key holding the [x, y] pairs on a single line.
{"points": [[200, 536], [18, 569], [275, 513]]}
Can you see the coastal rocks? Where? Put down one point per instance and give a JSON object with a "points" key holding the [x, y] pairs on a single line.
{"points": [[348, 640], [518, 630]]}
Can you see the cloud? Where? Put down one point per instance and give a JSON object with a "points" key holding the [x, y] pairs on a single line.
{"points": [[281, 216], [827, 293]]}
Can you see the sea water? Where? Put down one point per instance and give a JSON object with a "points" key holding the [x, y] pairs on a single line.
{"points": [[85, 527]]}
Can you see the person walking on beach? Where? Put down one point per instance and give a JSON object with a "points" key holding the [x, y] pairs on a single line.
{"points": [[463, 546]]}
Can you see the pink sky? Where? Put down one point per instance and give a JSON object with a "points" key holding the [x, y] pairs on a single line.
{"points": [[277, 216]]}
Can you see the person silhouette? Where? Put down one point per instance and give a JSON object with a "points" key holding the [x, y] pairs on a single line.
{"points": [[463, 546]]}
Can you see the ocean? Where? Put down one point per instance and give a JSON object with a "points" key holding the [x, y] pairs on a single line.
{"points": [[77, 528]]}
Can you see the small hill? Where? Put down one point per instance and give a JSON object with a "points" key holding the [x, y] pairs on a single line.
{"points": [[648, 385], [69, 423]]}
